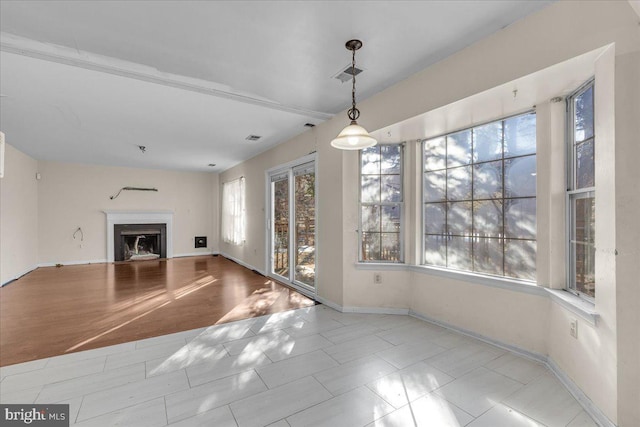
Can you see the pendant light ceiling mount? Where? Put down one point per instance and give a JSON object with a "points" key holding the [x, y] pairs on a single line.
{"points": [[353, 45], [354, 136]]}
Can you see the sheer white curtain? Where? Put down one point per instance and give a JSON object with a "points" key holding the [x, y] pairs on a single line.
{"points": [[233, 217]]}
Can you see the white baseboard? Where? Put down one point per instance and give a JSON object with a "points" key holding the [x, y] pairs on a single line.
{"points": [[19, 275], [194, 254], [328, 303], [90, 261], [532, 355], [102, 261], [572, 387], [585, 402], [375, 310], [361, 310], [242, 263]]}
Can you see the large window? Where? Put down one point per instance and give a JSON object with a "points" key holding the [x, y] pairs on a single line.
{"points": [[233, 213], [581, 191], [479, 197], [381, 204]]}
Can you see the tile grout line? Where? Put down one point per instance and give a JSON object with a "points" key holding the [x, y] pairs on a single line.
{"points": [[577, 415], [79, 410], [117, 410], [38, 395], [187, 376], [263, 382], [382, 397], [235, 420], [102, 389], [56, 382], [216, 379], [314, 405], [323, 386], [166, 411]]}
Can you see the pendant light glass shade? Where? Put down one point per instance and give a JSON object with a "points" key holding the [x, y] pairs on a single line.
{"points": [[353, 137]]}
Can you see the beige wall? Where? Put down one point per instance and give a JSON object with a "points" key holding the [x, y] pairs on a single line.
{"points": [[18, 215], [75, 195], [518, 319], [252, 252], [529, 321], [628, 236]]}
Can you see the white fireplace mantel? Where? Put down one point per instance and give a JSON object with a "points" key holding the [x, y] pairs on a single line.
{"points": [[138, 217]]}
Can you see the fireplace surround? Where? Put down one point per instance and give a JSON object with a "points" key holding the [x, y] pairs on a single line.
{"points": [[147, 217]]}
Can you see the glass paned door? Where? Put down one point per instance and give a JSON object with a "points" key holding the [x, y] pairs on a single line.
{"points": [[305, 226], [292, 226], [280, 238]]}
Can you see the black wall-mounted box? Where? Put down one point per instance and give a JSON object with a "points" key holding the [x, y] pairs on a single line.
{"points": [[201, 241]]}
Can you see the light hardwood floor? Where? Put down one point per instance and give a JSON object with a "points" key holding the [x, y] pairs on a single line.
{"points": [[53, 311]]}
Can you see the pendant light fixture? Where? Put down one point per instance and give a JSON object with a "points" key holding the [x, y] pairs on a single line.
{"points": [[354, 136]]}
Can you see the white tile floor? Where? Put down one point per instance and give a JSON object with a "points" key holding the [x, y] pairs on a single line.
{"points": [[307, 367]]}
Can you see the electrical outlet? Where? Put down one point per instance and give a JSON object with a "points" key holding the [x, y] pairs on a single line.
{"points": [[573, 328], [377, 278]]}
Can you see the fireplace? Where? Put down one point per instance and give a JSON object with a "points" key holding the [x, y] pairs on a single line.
{"points": [[150, 223], [139, 242]]}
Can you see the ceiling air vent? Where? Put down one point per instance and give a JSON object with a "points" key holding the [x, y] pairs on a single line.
{"points": [[253, 137], [345, 75]]}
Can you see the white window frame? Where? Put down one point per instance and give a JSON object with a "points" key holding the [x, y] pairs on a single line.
{"points": [[573, 193], [233, 212], [468, 273], [399, 204]]}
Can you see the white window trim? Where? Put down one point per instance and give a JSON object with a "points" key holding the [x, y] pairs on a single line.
{"points": [[464, 273], [570, 287], [401, 204]]}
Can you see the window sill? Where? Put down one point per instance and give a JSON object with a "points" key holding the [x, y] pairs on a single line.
{"points": [[575, 304], [496, 282], [393, 266]]}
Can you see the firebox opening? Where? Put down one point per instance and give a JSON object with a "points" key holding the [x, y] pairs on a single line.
{"points": [[141, 246], [138, 242]]}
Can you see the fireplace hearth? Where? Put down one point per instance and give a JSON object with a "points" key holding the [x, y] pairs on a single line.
{"points": [[139, 242]]}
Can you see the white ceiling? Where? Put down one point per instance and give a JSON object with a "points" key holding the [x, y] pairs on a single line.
{"points": [[88, 81]]}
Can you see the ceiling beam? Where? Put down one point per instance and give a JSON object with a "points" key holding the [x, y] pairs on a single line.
{"points": [[63, 55]]}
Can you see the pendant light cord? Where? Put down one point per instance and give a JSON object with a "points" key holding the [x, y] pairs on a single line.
{"points": [[353, 113]]}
